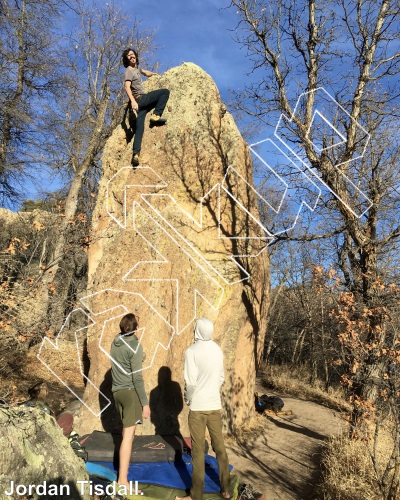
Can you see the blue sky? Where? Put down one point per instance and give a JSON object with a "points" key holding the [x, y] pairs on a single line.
{"points": [[198, 31]]}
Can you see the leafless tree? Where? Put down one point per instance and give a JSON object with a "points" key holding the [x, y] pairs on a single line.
{"points": [[28, 76], [350, 49], [301, 330], [342, 60], [61, 98]]}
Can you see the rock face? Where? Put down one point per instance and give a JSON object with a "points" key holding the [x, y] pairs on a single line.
{"points": [[34, 452], [175, 239]]}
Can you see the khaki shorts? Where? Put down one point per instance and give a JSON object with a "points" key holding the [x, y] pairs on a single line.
{"points": [[128, 406]]}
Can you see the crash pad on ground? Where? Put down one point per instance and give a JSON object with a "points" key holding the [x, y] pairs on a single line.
{"points": [[100, 471], [104, 446], [173, 475], [153, 492]]}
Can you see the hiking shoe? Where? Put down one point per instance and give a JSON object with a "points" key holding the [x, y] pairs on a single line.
{"points": [[157, 120], [73, 437], [135, 160], [246, 492], [79, 450]]}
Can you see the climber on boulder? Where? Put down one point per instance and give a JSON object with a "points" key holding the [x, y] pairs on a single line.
{"points": [[140, 101]]}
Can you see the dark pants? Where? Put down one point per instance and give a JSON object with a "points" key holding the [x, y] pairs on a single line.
{"points": [[156, 99], [198, 421]]}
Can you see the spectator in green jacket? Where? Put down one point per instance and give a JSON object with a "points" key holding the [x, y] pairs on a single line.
{"points": [[128, 388]]}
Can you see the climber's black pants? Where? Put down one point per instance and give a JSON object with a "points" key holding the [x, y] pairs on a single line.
{"points": [[156, 99]]}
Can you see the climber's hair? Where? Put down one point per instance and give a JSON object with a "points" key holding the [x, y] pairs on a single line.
{"points": [[128, 324], [125, 60]]}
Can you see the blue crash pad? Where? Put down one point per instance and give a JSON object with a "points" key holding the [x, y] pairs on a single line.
{"points": [[176, 475], [101, 471]]}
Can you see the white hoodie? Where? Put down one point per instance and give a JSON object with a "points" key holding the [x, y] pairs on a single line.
{"points": [[204, 369]]}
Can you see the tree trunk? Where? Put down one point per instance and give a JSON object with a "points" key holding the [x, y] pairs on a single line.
{"points": [[56, 282]]}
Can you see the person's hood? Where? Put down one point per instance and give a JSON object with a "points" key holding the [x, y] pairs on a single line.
{"points": [[203, 329], [126, 339]]}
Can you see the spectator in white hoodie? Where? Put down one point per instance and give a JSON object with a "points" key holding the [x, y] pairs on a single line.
{"points": [[204, 375]]}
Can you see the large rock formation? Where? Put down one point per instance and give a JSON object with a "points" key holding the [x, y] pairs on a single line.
{"points": [[175, 239], [35, 454]]}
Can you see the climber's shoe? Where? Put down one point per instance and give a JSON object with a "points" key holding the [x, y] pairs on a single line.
{"points": [[135, 160], [157, 120]]}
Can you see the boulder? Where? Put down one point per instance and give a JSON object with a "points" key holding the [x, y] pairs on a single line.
{"points": [[35, 454], [174, 239]]}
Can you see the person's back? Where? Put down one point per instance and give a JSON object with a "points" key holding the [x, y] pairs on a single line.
{"points": [[126, 363], [128, 389], [204, 367], [204, 375]]}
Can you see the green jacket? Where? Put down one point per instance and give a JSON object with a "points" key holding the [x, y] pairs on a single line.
{"points": [[126, 365]]}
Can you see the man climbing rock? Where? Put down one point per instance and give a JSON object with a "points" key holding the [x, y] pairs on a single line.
{"points": [[140, 101]]}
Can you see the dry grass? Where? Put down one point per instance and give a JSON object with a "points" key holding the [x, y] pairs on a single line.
{"points": [[294, 381], [63, 360], [14, 387], [349, 473]]}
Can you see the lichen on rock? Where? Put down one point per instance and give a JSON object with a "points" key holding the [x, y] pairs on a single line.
{"points": [[35, 452]]}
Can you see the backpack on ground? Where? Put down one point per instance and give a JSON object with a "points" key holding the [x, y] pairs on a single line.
{"points": [[264, 402]]}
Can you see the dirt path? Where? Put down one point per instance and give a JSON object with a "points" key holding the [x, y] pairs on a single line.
{"points": [[283, 459]]}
